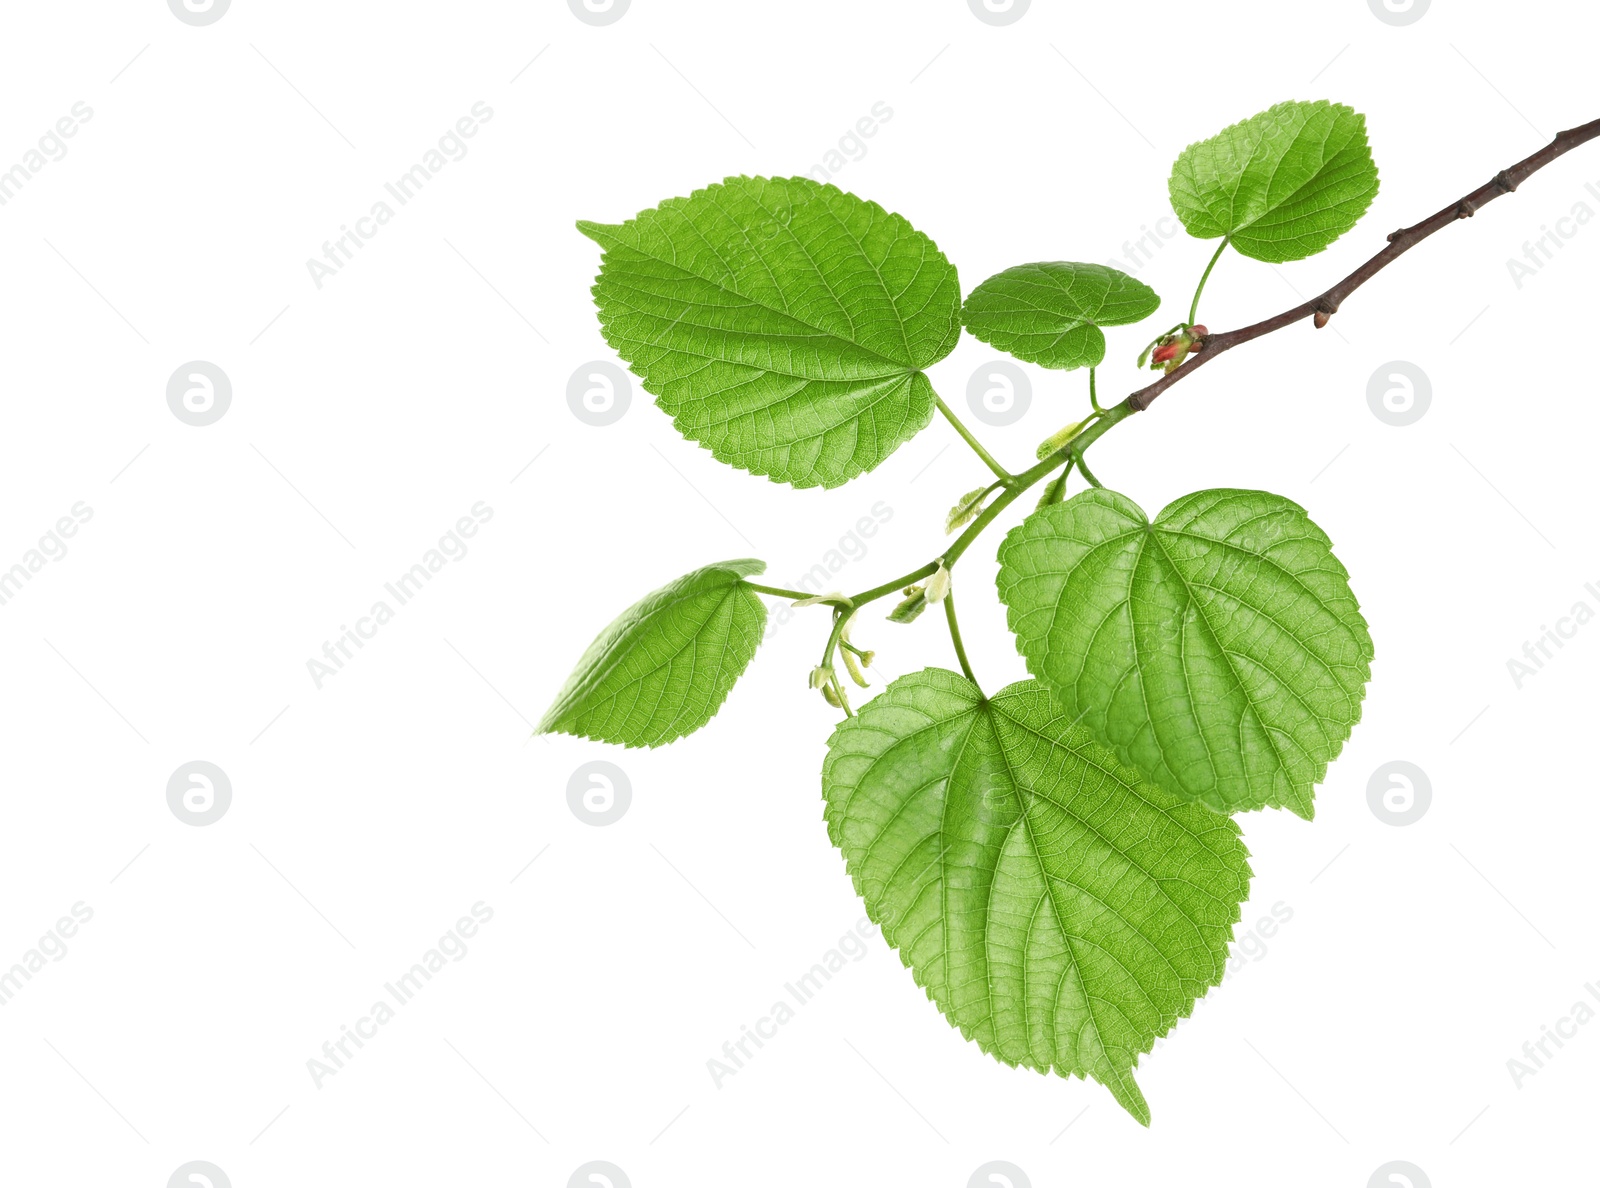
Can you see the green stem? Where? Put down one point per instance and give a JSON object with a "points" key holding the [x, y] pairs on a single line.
{"points": [[988, 459], [840, 619], [1057, 489], [1092, 398], [1083, 469], [899, 583], [777, 591], [1194, 306], [955, 637], [844, 698], [1073, 451]]}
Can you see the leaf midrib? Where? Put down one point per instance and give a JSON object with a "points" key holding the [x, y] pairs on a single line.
{"points": [[763, 305], [1244, 692], [1316, 176], [619, 653]]}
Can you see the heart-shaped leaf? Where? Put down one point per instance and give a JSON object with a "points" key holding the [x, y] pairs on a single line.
{"points": [[1062, 912], [1219, 650], [665, 666], [782, 323], [1281, 185], [1051, 314]]}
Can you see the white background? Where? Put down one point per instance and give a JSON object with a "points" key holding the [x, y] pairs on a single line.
{"points": [[370, 414]]}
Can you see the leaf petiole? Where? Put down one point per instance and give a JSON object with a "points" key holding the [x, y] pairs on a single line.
{"points": [[1083, 469], [955, 638], [1001, 472], [778, 591], [1194, 306], [1073, 451]]}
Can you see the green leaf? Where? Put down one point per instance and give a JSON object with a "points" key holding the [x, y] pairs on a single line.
{"points": [[1051, 314], [1281, 185], [782, 323], [1061, 911], [665, 666], [1219, 649]]}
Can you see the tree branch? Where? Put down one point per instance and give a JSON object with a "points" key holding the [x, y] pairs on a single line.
{"points": [[1325, 305], [1319, 308]]}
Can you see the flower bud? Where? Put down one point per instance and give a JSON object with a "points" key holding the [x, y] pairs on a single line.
{"points": [[853, 668], [1172, 349], [914, 603]]}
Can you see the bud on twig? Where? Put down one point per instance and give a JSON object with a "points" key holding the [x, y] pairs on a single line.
{"points": [[1172, 349], [853, 667]]}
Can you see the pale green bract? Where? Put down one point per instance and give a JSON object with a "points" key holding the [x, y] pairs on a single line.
{"points": [[664, 667], [782, 323], [1219, 649], [1051, 313], [1281, 185], [1062, 912], [966, 509]]}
